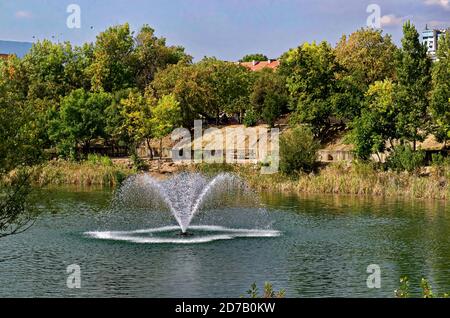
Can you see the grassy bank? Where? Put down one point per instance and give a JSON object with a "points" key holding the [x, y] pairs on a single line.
{"points": [[346, 179], [354, 179], [85, 173]]}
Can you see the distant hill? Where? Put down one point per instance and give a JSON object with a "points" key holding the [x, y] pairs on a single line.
{"points": [[14, 47]]}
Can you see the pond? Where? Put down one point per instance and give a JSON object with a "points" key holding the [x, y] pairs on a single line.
{"points": [[323, 249]]}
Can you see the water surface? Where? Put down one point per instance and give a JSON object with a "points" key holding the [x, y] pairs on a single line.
{"points": [[325, 246]]}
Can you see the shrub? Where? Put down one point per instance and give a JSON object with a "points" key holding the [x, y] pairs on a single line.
{"points": [[138, 163], [437, 159], [97, 159], [298, 151], [425, 287], [404, 158], [250, 118]]}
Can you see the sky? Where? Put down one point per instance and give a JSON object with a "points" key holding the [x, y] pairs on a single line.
{"points": [[226, 29]]}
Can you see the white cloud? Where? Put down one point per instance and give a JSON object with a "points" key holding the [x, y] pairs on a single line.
{"points": [[442, 3], [391, 20], [438, 23], [23, 14]]}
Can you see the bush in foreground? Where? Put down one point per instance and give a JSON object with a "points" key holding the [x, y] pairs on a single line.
{"points": [[298, 151], [268, 292], [404, 158], [427, 292]]}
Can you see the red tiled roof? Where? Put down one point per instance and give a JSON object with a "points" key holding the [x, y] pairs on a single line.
{"points": [[257, 66], [4, 56]]}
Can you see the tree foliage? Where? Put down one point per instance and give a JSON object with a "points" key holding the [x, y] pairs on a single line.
{"points": [[413, 86], [364, 57], [269, 95], [298, 151], [376, 124], [79, 120], [254, 57], [310, 73], [440, 95]]}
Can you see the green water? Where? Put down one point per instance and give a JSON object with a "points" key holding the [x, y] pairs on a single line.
{"points": [[325, 246]]}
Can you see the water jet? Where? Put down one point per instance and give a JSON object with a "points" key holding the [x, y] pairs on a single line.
{"points": [[185, 195]]}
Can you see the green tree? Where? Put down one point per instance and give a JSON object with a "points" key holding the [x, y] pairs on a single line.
{"points": [[254, 57], [114, 118], [414, 83], [166, 117], [310, 73], [229, 86], [440, 95], [45, 68], [366, 56], [79, 121], [269, 96], [376, 124], [20, 144], [152, 54], [18, 149], [76, 69], [206, 89], [189, 87], [113, 63], [133, 119]]}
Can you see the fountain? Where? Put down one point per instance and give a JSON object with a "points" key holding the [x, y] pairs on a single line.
{"points": [[185, 195]]}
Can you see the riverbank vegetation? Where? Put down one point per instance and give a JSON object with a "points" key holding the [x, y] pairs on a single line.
{"points": [[345, 178], [99, 171]]}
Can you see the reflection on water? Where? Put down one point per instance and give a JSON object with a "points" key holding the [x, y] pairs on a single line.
{"points": [[325, 246]]}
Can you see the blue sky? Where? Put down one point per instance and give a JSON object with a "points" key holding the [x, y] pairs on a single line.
{"points": [[227, 29]]}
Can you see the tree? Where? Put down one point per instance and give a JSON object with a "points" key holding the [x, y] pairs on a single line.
{"points": [[166, 116], [45, 70], [19, 145], [79, 121], [440, 95], [366, 56], [112, 68], [190, 88], [310, 75], [206, 89], [132, 118], [414, 83], [76, 69], [15, 145], [269, 96], [376, 124], [254, 57], [229, 86], [152, 55]]}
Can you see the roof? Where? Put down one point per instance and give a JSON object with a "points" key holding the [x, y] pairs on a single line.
{"points": [[4, 56], [257, 66]]}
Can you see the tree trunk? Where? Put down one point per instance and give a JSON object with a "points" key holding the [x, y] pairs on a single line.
{"points": [[86, 147]]}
